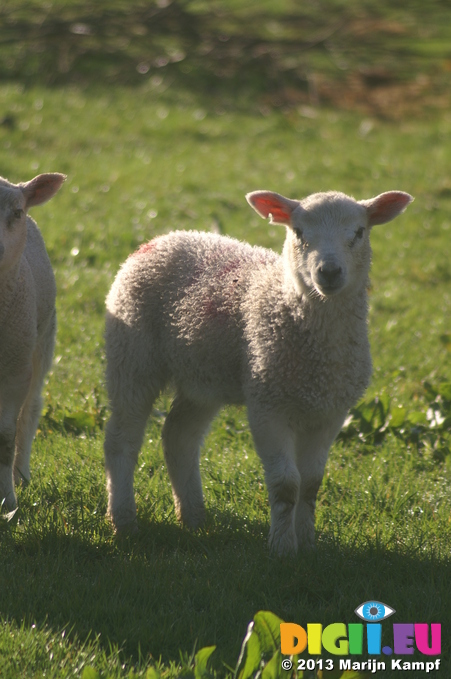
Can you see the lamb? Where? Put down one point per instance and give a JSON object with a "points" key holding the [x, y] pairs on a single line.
{"points": [[223, 322], [27, 325]]}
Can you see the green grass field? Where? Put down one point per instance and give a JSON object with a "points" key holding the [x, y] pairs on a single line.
{"points": [[145, 156]]}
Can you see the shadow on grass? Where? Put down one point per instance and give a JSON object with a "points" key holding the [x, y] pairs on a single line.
{"points": [[166, 589]]}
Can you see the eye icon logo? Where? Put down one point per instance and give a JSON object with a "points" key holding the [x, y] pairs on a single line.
{"points": [[374, 611]]}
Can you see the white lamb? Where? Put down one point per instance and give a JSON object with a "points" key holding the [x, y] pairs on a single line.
{"points": [[27, 325], [224, 322]]}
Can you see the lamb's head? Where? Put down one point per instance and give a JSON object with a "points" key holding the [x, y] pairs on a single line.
{"points": [[15, 200], [327, 248]]}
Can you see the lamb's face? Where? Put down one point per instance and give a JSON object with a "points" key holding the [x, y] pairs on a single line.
{"points": [[327, 250], [15, 200], [328, 245], [13, 226]]}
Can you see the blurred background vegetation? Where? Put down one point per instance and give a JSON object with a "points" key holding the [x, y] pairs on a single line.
{"points": [[385, 58]]}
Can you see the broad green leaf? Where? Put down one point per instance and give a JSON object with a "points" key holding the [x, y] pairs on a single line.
{"points": [[366, 412], [90, 673], [273, 668], [384, 400], [267, 627], [430, 390], [372, 414], [80, 421], [444, 390], [201, 660], [397, 417], [417, 417], [152, 673]]}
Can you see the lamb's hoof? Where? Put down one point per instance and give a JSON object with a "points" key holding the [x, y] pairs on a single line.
{"points": [[123, 519], [9, 503], [191, 517], [124, 529], [9, 516], [283, 545], [306, 541]]}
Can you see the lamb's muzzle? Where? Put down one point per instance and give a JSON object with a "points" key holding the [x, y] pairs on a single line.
{"points": [[329, 278]]}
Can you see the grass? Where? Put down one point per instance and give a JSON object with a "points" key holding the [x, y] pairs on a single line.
{"points": [[143, 160]]}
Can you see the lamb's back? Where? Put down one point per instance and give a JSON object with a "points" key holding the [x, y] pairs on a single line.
{"points": [[183, 292]]}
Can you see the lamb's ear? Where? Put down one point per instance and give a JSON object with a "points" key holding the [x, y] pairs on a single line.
{"points": [[386, 206], [273, 205], [40, 189]]}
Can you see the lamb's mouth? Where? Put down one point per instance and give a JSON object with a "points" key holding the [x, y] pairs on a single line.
{"points": [[329, 290]]}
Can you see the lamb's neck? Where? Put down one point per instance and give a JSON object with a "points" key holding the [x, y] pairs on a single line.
{"points": [[9, 289], [347, 308]]}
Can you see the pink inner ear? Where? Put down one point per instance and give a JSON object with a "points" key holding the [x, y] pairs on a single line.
{"points": [[387, 207], [270, 206], [42, 188], [40, 193]]}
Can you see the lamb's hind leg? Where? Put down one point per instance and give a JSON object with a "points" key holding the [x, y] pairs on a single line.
{"points": [[132, 391], [183, 433], [123, 439]]}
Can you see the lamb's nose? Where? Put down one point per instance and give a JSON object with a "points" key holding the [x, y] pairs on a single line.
{"points": [[329, 275]]}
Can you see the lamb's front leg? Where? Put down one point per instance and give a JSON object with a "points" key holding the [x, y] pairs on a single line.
{"points": [[312, 450], [12, 396], [28, 421], [7, 442], [275, 444]]}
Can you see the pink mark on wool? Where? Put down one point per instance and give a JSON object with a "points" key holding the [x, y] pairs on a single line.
{"points": [[203, 267], [229, 267], [212, 310], [220, 309], [145, 248]]}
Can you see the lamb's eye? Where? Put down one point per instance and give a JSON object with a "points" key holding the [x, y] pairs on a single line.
{"points": [[301, 239], [357, 236], [359, 232], [13, 217]]}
